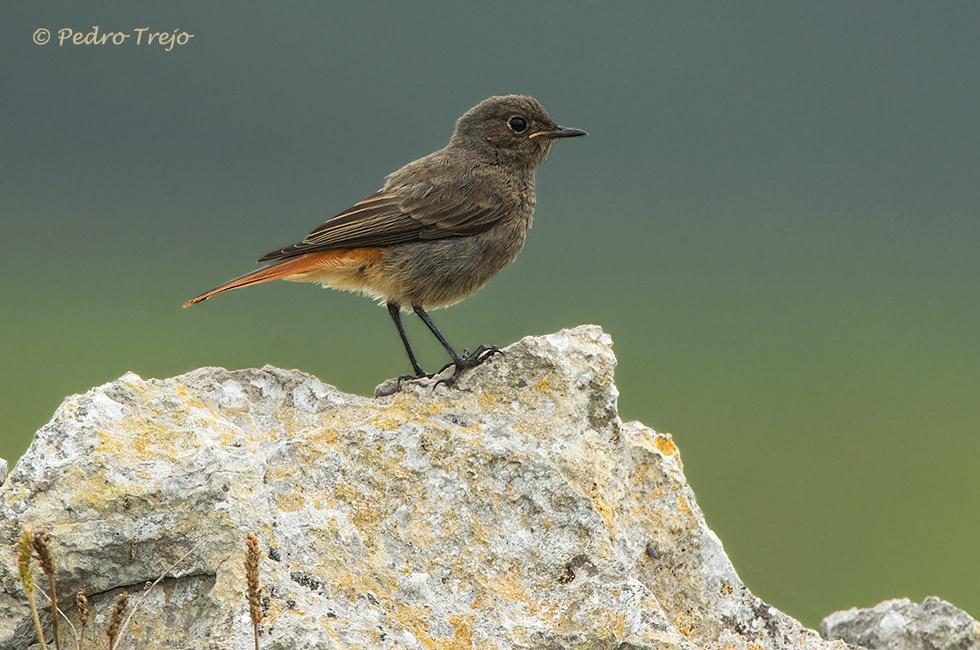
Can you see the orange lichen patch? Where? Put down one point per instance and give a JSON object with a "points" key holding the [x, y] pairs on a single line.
{"points": [[421, 531], [481, 534], [322, 500], [619, 626], [108, 444], [281, 472], [327, 625], [543, 386], [546, 611], [188, 401], [387, 422], [354, 585], [324, 436], [463, 629], [519, 635], [363, 514], [142, 446], [726, 588], [276, 609], [434, 409], [149, 439], [605, 508], [412, 618], [682, 505], [650, 603], [290, 502], [665, 445], [305, 455], [686, 623], [138, 631], [605, 620], [509, 587], [344, 579]]}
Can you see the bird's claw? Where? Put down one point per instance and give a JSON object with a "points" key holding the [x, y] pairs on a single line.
{"points": [[484, 352], [419, 375], [445, 380], [467, 362]]}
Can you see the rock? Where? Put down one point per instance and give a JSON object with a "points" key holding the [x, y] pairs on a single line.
{"points": [[513, 510], [900, 624], [3, 470]]}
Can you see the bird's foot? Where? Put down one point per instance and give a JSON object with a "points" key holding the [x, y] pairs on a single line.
{"points": [[467, 362], [421, 374], [480, 355]]}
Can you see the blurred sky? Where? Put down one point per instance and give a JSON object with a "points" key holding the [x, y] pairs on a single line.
{"points": [[774, 216]]}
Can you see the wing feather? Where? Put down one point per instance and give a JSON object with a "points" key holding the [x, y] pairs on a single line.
{"points": [[418, 212]]}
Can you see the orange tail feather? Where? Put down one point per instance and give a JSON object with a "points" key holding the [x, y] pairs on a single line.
{"points": [[274, 272]]}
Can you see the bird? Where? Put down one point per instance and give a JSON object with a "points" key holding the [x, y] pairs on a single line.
{"points": [[438, 229]]}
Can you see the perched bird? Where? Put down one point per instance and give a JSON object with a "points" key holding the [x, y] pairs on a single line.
{"points": [[439, 229]]}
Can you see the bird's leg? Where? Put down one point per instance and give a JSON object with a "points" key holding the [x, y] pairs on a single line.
{"points": [[395, 310], [464, 362]]}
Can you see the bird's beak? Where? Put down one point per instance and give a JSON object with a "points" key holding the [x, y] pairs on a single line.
{"points": [[558, 132]]}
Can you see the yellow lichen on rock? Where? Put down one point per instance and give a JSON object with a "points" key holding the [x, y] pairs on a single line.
{"points": [[510, 510], [665, 445]]}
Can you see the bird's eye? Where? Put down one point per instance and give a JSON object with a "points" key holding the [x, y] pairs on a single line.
{"points": [[517, 124]]}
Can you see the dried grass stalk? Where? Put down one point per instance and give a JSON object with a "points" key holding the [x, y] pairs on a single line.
{"points": [[82, 602], [42, 550], [27, 580], [112, 630], [253, 591]]}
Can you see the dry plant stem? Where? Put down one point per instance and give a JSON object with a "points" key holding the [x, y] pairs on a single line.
{"points": [[82, 603], [55, 610], [42, 548], [27, 580], [37, 621], [74, 631], [252, 585], [146, 593]]}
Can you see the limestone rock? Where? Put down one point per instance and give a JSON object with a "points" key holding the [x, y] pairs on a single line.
{"points": [[901, 624], [513, 510]]}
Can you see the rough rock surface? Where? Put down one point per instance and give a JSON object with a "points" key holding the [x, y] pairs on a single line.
{"points": [[901, 624], [514, 510]]}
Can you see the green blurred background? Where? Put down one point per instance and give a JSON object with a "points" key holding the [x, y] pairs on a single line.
{"points": [[775, 217]]}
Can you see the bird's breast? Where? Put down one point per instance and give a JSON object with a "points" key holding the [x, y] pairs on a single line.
{"points": [[442, 272]]}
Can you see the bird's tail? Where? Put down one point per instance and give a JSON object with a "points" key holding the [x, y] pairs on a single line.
{"points": [[274, 272]]}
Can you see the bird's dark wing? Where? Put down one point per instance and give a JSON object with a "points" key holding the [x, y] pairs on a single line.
{"points": [[419, 212]]}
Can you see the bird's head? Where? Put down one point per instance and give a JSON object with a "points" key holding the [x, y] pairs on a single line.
{"points": [[511, 129]]}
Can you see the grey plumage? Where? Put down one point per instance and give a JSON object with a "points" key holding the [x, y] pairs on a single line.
{"points": [[440, 227]]}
